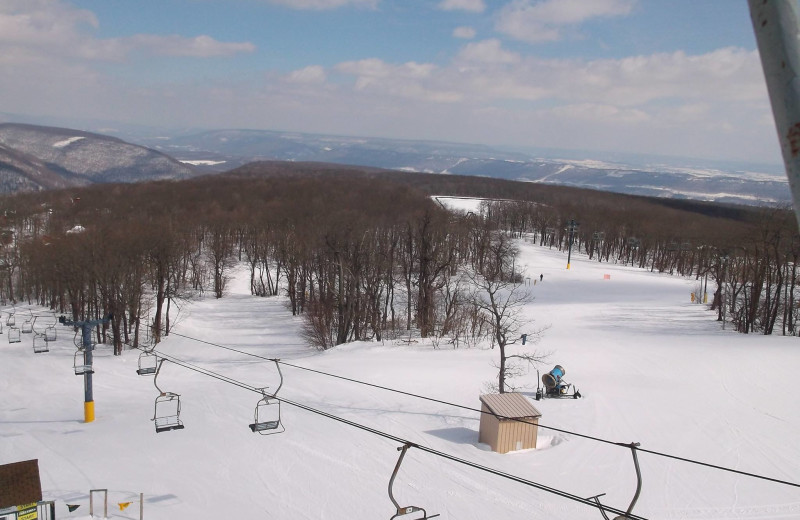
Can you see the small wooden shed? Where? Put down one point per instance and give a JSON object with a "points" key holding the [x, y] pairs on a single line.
{"points": [[20, 489], [509, 422]]}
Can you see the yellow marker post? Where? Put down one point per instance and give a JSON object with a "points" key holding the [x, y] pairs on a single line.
{"points": [[88, 411]]}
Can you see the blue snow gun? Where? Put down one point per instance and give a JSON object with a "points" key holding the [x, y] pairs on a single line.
{"points": [[555, 386]]}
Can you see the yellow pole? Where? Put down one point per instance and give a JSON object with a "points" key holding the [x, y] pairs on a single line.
{"points": [[88, 411]]}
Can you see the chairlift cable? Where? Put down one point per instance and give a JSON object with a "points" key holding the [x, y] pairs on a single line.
{"points": [[468, 408], [380, 433]]}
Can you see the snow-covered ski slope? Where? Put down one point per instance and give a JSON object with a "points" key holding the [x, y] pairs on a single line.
{"points": [[653, 368]]}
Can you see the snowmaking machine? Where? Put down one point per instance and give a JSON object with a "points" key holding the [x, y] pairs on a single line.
{"points": [[555, 386]]}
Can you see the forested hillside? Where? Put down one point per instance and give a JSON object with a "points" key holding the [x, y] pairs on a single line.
{"points": [[40, 157], [366, 254]]}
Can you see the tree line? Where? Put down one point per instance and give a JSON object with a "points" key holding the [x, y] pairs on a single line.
{"points": [[358, 260], [749, 254], [365, 255]]}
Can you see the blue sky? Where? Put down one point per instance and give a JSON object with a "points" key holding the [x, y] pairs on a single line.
{"points": [[669, 77]]}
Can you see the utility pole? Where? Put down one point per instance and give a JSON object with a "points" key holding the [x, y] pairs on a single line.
{"points": [[571, 227], [86, 330]]}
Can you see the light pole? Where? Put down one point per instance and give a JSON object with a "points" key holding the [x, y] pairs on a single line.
{"points": [[86, 330]]}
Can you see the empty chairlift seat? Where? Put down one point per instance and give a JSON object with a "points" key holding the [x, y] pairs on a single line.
{"points": [[50, 333], [13, 335], [27, 325], [81, 367], [167, 415], [40, 345], [46, 330], [148, 364], [267, 415], [418, 513]]}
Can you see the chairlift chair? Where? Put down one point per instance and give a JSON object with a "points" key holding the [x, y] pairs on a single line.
{"points": [[167, 408], [167, 415], [47, 330], [50, 333], [77, 340], [267, 415], [27, 325], [148, 363], [407, 510], [633, 446], [13, 335], [40, 345], [81, 368], [11, 320]]}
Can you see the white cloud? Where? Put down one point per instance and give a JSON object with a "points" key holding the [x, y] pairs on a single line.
{"points": [[475, 6], [730, 73], [376, 68], [173, 45], [407, 80], [324, 4], [661, 103], [534, 22], [464, 32], [42, 22], [41, 30], [487, 51], [310, 74], [599, 112]]}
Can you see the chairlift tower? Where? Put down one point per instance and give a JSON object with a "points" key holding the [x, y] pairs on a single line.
{"points": [[572, 227], [777, 27], [86, 330]]}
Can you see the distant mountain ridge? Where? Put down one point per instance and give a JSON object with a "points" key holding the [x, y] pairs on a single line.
{"points": [[34, 157], [222, 150], [39, 157]]}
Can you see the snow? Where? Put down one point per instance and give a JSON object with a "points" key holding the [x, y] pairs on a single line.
{"points": [[697, 195], [204, 162], [76, 229], [67, 142], [461, 204], [564, 168], [653, 368]]}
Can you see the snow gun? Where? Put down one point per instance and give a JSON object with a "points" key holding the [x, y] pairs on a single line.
{"points": [[555, 386]]}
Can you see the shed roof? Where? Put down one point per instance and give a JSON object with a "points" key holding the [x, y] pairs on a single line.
{"points": [[512, 405], [19, 483]]}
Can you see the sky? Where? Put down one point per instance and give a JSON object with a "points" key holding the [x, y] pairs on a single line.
{"points": [[669, 77]]}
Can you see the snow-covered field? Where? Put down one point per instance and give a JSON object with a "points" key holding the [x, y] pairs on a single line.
{"points": [[653, 368]]}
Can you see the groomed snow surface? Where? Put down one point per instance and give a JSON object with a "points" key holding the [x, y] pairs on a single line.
{"points": [[653, 368]]}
